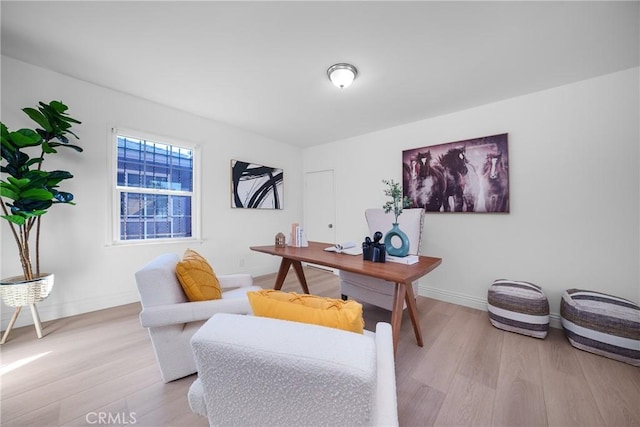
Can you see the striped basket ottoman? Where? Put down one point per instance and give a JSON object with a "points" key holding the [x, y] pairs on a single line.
{"points": [[519, 307], [602, 324]]}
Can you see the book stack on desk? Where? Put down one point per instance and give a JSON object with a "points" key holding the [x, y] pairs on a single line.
{"points": [[298, 238], [408, 260]]}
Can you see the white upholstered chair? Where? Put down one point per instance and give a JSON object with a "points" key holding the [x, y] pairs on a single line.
{"points": [[259, 371], [377, 291], [172, 319]]}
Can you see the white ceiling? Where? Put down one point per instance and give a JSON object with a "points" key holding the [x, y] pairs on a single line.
{"points": [[261, 66]]}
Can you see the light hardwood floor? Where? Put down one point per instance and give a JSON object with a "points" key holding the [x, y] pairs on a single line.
{"points": [[468, 373]]}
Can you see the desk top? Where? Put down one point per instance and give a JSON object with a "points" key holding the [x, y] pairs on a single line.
{"points": [[390, 271]]}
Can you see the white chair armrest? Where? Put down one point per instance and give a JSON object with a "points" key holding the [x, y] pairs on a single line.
{"points": [[301, 374], [386, 397], [235, 280], [172, 314], [195, 396]]}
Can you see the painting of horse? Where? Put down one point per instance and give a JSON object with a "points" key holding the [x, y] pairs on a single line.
{"points": [[462, 184], [463, 176], [455, 168], [424, 182], [495, 182]]}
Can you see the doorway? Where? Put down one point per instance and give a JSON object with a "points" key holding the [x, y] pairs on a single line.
{"points": [[319, 207]]}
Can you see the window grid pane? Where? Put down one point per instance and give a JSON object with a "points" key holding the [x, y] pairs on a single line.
{"points": [[165, 169], [148, 164], [153, 216]]}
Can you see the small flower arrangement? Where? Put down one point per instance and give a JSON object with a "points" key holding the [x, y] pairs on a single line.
{"points": [[398, 202]]}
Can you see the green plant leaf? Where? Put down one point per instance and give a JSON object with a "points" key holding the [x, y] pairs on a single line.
{"points": [[46, 147], [54, 177], [7, 192], [33, 161], [38, 117], [31, 205], [18, 183], [58, 106], [73, 147], [36, 194], [6, 145], [7, 184], [16, 219], [5, 138], [76, 136], [30, 214], [72, 120], [63, 197], [47, 109], [25, 138]]}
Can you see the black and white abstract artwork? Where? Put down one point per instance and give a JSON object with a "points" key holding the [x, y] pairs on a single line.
{"points": [[256, 186]]}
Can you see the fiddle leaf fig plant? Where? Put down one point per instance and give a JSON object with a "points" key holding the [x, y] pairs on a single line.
{"points": [[398, 202], [27, 190]]}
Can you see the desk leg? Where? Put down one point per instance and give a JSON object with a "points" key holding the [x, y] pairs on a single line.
{"points": [[413, 312], [282, 273], [284, 269], [297, 266], [396, 313]]}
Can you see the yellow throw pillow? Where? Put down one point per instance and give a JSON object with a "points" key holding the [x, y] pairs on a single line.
{"points": [[197, 278], [334, 313]]}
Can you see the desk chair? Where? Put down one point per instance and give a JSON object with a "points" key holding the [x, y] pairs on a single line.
{"points": [[378, 292]]}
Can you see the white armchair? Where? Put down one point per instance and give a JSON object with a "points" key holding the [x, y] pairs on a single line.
{"points": [[377, 291], [172, 319], [258, 371]]}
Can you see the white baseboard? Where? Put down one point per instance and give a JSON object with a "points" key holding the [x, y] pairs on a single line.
{"points": [[471, 301], [56, 311], [48, 312]]}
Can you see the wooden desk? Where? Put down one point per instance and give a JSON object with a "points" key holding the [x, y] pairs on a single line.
{"points": [[400, 274]]}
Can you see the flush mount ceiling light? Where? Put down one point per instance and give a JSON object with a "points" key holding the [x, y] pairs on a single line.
{"points": [[341, 75]]}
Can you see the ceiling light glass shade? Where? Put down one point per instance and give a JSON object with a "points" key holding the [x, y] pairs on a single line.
{"points": [[341, 75]]}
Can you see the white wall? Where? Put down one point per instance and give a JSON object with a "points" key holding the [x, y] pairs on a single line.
{"points": [[574, 182], [575, 192], [90, 274]]}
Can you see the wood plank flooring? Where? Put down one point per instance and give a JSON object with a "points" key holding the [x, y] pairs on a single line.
{"points": [[468, 373]]}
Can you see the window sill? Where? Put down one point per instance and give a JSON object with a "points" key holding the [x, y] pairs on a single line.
{"points": [[150, 242]]}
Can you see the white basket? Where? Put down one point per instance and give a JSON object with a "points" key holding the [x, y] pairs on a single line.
{"points": [[16, 292]]}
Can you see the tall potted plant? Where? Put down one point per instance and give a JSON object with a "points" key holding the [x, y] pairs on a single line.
{"points": [[27, 191], [397, 203]]}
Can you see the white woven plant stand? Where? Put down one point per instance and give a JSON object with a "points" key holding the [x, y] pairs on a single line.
{"points": [[25, 293]]}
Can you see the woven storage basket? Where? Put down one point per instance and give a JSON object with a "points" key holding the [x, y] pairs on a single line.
{"points": [[520, 307], [17, 292], [602, 324]]}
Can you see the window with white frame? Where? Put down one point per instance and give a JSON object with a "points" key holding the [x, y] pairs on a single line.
{"points": [[154, 189]]}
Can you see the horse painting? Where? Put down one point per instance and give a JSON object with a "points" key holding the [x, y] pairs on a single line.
{"points": [[495, 183], [460, 186], [471, 188], [471, 175], [424, 182]]}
